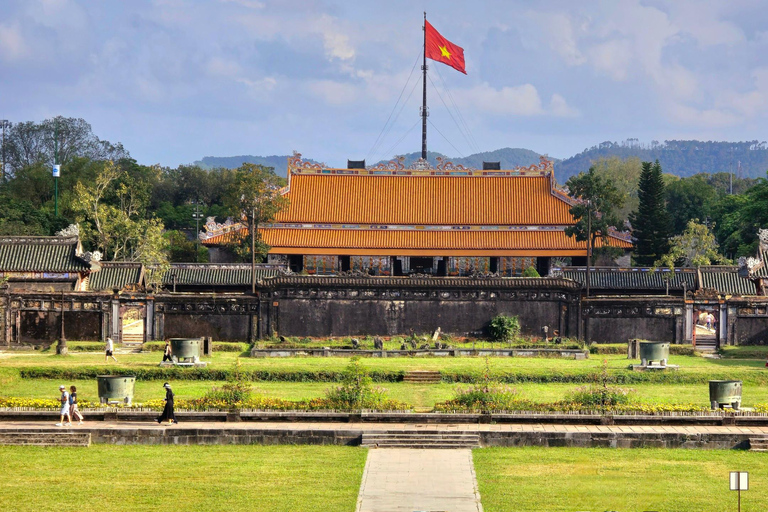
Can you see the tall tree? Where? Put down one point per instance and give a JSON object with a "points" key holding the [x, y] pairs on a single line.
{"points": [[255, 196], [651, 223], [688, 199], [695, 247], [598, 201], [624, 173], [29, 143], [113, 218]]}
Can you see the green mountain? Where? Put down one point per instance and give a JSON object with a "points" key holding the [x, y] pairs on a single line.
{"points": [[679, 157], [509, 158], [279, 163]]}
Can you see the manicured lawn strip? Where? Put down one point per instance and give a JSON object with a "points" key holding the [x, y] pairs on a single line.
{"points": [[568, 479], [421, 396], [180, 478], [463, 369]]}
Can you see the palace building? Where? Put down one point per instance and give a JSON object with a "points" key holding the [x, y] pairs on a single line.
{"points": [[446, 220]]}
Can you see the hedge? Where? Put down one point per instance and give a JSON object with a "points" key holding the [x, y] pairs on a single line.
{"points": [[181, 373]]}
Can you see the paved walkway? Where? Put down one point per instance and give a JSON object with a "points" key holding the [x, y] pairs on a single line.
{"points": [[405, 480]]}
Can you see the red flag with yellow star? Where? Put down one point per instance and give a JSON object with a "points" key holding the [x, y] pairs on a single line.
{"points": [[438, 48]]}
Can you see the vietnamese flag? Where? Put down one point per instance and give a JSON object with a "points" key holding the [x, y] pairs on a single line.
{"points": [[438, 48]]}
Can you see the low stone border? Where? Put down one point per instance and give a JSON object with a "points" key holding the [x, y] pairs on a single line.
{"points": [[744, 419], [566, 353], [610, 437]]}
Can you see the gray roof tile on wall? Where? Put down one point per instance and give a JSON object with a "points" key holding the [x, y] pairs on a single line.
{"points": [[216, 274], [40, 254], [610, 278], [115, 275], [726, 280]]}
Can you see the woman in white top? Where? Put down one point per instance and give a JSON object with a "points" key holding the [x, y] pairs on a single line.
{"points": [[110, 348]]}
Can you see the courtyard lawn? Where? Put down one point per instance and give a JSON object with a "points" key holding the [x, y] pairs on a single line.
{"points": [[180, 478], [422, 396], [568, 479], [694, 373]]}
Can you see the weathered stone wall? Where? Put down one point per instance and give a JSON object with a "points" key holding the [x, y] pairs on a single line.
{"points": [[223, 317], [615, 320], [325, 306], [748, 321]]}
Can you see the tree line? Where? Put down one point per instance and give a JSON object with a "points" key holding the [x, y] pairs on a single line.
{"points": [[130, 211], [698, 220], [126, 210]]}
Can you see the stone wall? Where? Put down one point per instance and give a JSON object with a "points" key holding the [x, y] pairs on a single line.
{"points": [[616, 320], [748, 321], [227, 317], [345, 306], [334, 306]]}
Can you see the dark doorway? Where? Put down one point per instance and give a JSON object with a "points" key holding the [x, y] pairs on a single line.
{"points": [[296, 262], [397, 267], [344, 261], [442, 269], [421, 265]]}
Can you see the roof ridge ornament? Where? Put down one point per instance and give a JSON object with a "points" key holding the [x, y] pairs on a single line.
{"points": [[295, 163], [443, 164], [396, 164]]}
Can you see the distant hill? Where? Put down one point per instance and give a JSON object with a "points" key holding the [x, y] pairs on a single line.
{"points": [[509, 158], [278, 162], [679, 157]]}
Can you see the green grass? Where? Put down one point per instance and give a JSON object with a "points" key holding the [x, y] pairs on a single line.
{"points": [[569, 479], [422, 396], [180, 478]]}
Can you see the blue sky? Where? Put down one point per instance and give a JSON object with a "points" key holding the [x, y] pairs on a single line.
{"points": [[178, 80]]}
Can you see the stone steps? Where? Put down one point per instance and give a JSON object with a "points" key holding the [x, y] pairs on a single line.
{"points": [[758, 444], [133, 338], [61, 438], [706, 344], [439, 439], [422, 377]]}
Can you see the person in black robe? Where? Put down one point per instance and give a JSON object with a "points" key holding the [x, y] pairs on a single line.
{"points": [[168, 409]]}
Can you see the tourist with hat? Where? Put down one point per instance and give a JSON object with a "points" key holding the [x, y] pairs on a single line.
{"points": [[168, 409], [64, 399]]}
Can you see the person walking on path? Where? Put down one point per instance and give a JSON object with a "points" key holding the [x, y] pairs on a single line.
{"points": [[168, 409], [109, 348], [167, 353], [64, 399], [73, 410]]}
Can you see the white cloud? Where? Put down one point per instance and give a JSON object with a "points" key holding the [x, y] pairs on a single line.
{"points": [[613, 58], [218, 66], [12, 45], [520, 100], [335, 40], [264, 84], [333, 92], [250, 4], [559, 107], [558, 31]]}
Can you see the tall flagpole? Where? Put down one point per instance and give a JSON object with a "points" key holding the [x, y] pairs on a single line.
{"points": [[424, 103]]}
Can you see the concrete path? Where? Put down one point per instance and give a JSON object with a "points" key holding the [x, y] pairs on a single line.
{"points": [[406, 480]]}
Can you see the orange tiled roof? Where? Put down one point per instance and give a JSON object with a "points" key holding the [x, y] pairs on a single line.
{"points": [[421, 242], [404, 212], [417, 200]]}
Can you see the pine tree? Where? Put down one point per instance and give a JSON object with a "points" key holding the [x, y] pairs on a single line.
{"points": [[651, 224]]}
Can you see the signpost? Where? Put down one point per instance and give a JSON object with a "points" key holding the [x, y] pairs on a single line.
{"points": [[739, 482]]}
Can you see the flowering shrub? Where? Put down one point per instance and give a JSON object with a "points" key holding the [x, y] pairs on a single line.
{"points": [[357, 391], [601, 396]]}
